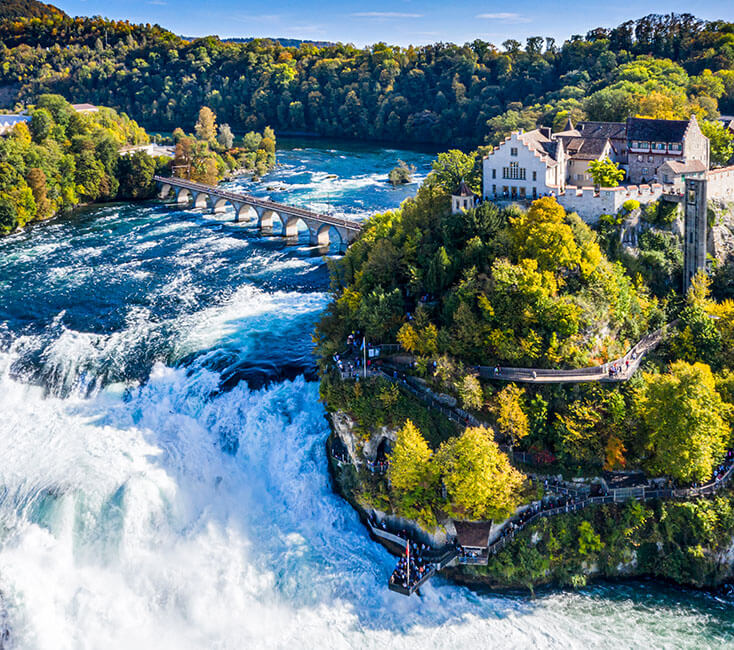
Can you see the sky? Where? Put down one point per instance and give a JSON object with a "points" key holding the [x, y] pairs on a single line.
{"points": [[398, 22]]}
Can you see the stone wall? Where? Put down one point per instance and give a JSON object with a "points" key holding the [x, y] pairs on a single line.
{"points": [[590, 205], [720, 184]]}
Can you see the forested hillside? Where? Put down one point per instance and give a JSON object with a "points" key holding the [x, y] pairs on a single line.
{"points": [[27, 9], [62, 158], [658, 66]]}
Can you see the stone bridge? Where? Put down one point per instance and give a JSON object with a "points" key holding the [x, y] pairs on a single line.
{"points": [[323, 229]]}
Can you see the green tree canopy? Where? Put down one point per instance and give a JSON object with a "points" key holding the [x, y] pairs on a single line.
{"points": [[479, 480], [451, 167], [409, 472], [206, 125], [606, 173], [687, 420], [721, 141]]}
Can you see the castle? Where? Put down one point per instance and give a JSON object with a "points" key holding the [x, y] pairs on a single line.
{"points": [[656, 155]]}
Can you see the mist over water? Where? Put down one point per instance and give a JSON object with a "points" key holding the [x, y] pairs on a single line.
{"points": [[163, 481]]}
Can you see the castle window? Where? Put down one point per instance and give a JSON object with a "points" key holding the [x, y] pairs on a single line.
{"points": [[514, 171], [535, 176], [513, 151], [494, 173]]}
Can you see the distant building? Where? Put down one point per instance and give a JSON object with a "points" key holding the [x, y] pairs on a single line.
{"points": [[85, 108], [7, 122], [728, 122], [153, 149], [524, 166]]}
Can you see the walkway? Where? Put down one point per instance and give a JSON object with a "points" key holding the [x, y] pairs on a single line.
{"points": [[618, 370], [512, 527]]}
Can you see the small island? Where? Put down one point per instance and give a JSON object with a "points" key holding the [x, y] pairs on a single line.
{"points": [[518, 397]]}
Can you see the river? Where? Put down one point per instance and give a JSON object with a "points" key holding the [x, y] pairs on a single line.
{"points": [[163, 480]]}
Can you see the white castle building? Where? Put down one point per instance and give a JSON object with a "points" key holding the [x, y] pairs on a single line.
{"points": [[657, 156]]}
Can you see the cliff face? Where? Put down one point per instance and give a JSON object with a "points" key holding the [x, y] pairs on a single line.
{"points": [[360, 448]]}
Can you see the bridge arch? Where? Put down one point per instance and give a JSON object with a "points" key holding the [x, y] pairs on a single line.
{"points": [[328, 234], [183, 195], [218, 204], [164, 191], [201, 200], [272, 222], [295, 226], [246, 212]]}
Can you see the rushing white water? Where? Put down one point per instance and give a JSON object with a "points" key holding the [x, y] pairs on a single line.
{"points": [[153, 496]]}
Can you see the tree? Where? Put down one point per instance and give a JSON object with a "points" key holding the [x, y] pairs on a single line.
{"points": [[251, 141], [409, 472], [698, 338], [542, 234], [508, 409], [479, 480], [206, 125], [37, 182], [721, 141], [402, 174], [470, 391], [451, 167], [606, 173], [225, 138], [135, 173], [687, 421], [40, 125]]}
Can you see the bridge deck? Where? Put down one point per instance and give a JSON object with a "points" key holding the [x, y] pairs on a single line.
{"points": [[262, 203]]}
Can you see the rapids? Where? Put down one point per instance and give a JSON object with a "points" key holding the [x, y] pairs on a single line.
{"points": [[163, 477]]}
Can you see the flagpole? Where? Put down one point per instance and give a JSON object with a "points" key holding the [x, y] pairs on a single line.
{"points": [[407, 563], [364, 347]]}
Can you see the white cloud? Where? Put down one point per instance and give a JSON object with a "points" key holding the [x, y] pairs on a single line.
{"points": [[385, 14], [505, 17]]}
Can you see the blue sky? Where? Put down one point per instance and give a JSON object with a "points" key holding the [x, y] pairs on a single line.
{"points": [[398, 22]]}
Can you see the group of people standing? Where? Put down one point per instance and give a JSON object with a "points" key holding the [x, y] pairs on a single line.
{"points": [[378, 466], [412, 567]]}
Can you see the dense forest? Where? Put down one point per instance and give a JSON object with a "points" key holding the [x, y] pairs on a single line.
{"points": [[658, 66], [62, 158], [28, 9]]}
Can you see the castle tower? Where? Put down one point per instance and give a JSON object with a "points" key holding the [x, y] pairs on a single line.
{"points": [[696, 229], [462, 199]]}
